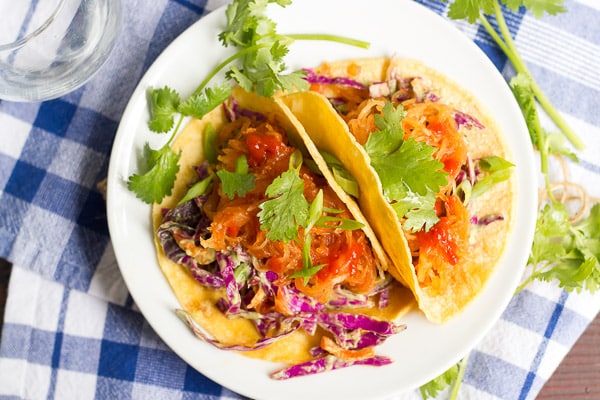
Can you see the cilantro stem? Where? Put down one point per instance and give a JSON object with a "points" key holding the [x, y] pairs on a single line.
{"points": [[174, 133], [462, 367], [298, 36], [527, 281], [331, 38], [505, 42], [226, 62]]}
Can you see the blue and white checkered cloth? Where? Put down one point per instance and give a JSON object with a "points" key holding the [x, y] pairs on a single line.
{"points": [[71, 329]]}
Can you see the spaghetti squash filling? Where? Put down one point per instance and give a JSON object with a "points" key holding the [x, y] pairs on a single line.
{"points": [[346, 254], [440, 252]]}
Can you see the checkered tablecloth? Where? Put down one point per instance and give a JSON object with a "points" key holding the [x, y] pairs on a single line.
{"points": [[71, 329]]}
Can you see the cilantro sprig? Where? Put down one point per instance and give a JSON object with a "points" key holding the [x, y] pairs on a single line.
{"points": [[258, 66], [156, 180], [160, 170], [237, 182], [565, 252], [409, 173], [481, 11], [287, 208]]}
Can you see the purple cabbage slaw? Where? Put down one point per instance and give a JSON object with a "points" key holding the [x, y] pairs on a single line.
{"points": [[233, 272], [312, 77]]}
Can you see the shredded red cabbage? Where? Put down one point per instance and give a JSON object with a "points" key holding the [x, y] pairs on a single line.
{"points": [[466, 120], [233, 111], [486, 220], [327, 363], [312, 77], [357, 331]]}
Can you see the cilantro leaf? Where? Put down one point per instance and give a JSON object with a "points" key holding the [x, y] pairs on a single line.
{"points": [[245, 20], [287, 209], [553, 221], [537, 7], [412, 164], [240, 78], [201, 103], [569, 254], [157, 181], [452, 376], [293, 81], [408, 172], [262, 49], [402, 163], [470, 9], [389, 136], [239, 181], [556, 145], [249, 28], [431, 389], [419, 210], [163, 104]]}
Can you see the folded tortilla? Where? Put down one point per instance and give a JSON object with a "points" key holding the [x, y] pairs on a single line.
{"points": [[201, 302], [329, 132]]}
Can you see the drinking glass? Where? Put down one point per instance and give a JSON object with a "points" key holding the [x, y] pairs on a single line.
{"points": [[51, 47]]}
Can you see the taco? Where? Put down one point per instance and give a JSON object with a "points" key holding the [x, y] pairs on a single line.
{"points": [[431, 166], [311, 292]]}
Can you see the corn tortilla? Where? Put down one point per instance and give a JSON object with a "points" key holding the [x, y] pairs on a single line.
{"points": [[330, 132], [200, 301]]}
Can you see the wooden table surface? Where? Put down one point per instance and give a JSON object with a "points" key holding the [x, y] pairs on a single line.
{"points": [[577, 377]]}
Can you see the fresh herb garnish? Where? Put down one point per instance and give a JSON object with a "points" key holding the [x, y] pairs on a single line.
{"points": [[565, 252], [159, 175], [409, 173], [238, 181], [261, 52], [163, 105], [162, 164], [287, 209], [452, 376]]}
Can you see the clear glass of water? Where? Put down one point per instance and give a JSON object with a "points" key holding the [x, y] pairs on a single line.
{"points": [[51, 47]]}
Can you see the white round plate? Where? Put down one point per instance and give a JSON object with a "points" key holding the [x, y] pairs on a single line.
{"points": [[399, 27]]}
